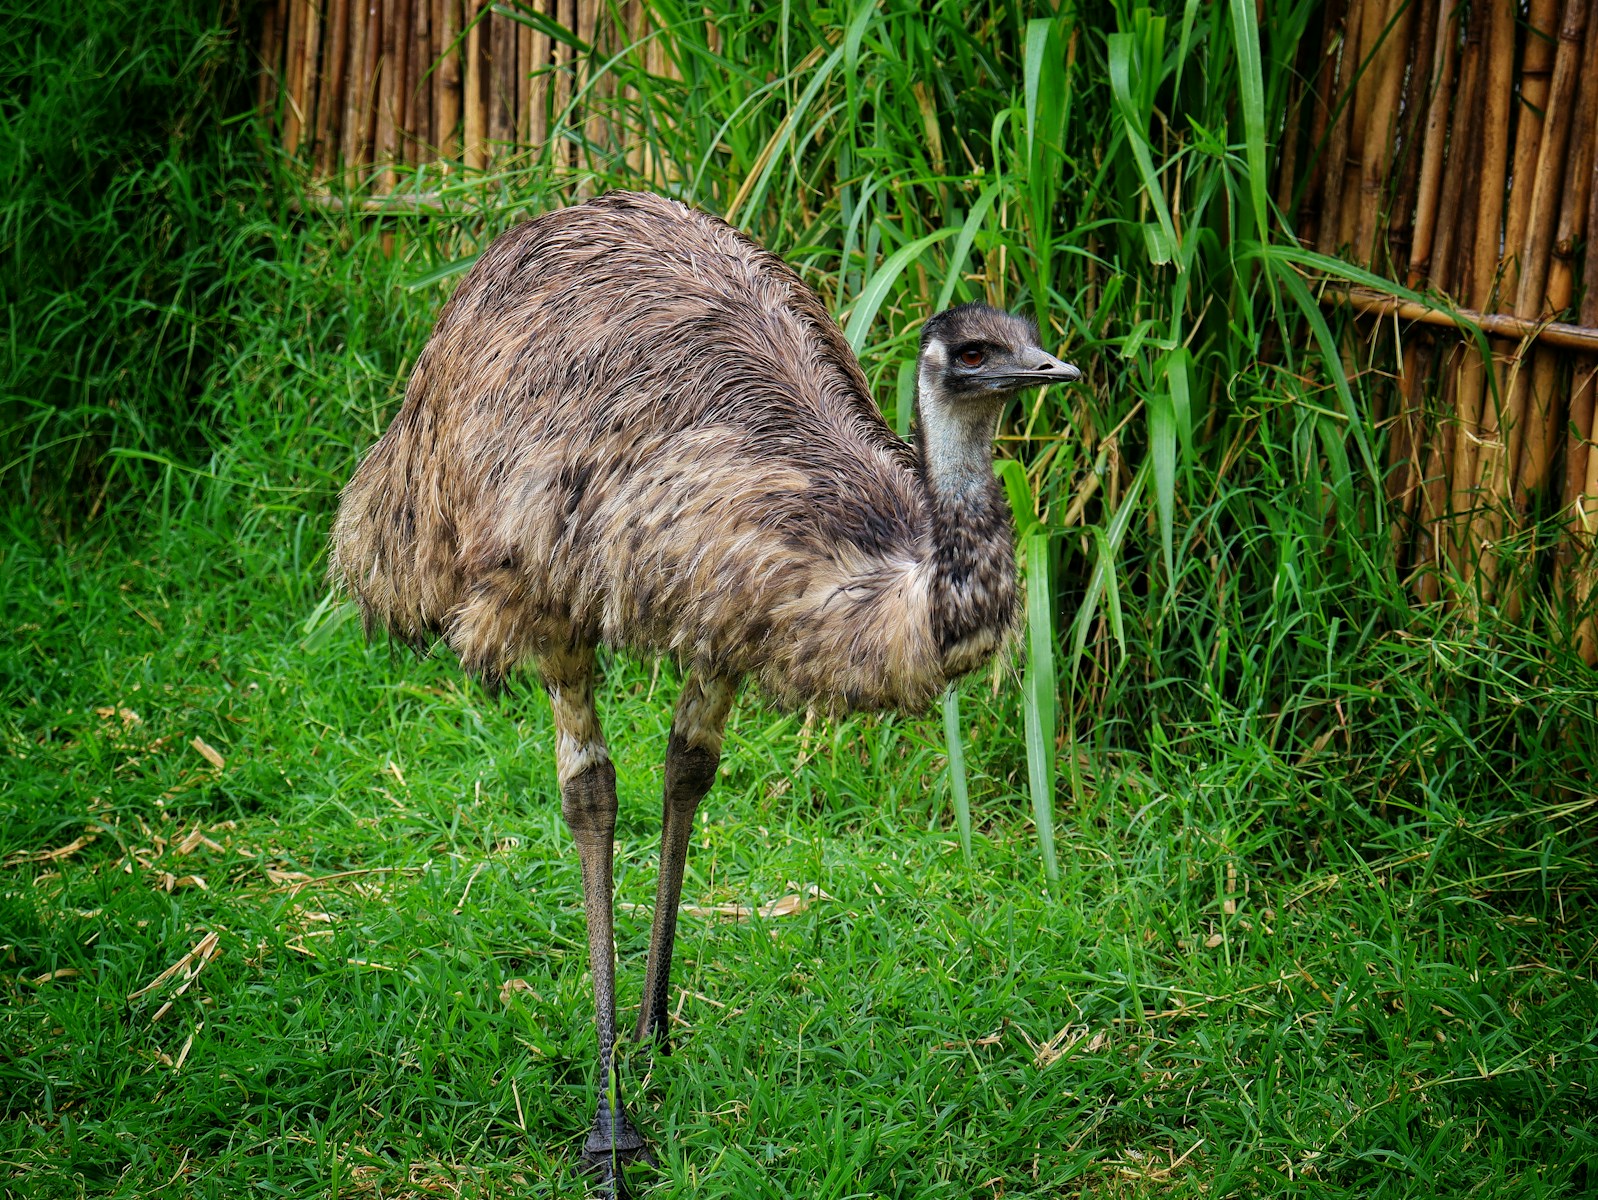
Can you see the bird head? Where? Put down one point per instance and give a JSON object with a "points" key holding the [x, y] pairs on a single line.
{"points": [[975, 354]]}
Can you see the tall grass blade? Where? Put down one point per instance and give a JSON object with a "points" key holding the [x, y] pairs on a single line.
{"points": [[1251, 85], [1039, 700], [876, 291], [954, 741]]}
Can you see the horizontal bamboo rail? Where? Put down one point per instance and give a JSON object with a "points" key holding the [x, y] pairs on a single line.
{"points": [[1552, 333]]}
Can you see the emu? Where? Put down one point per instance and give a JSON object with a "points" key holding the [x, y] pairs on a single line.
{"points": [[633, 427]]}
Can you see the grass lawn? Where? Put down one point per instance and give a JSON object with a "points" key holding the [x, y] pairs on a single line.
{"points": [[285, 914], [1249, 981]]}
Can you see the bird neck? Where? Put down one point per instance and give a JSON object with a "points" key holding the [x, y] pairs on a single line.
{"points": [[956, 445], [973, 585]]}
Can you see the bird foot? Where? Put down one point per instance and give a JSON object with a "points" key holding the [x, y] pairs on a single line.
{"points": [[612, 1145]]}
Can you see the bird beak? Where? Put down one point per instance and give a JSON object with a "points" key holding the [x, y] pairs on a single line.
{"points": [[1047, 370]]}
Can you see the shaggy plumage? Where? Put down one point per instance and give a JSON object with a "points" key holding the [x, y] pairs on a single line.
{"points": [[634, 427]]}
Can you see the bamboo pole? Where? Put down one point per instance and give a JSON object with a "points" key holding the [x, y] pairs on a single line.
{"points": [[309, 72], [421, 145], [472, 102], [1536, 70], [1585, 576], [538, 90], [1323, 94], [358, 94], [1542, 221], [593, 123], [502, 95], [1550, 178], [1342, 98], [1458, 155], [1503, 423], [524, 86], [561, 119], [335, 77], [349, 127], [385, 89], [1381, 129], [1477, 437], [447, 79], [1413, 109], [1581, 487], [293, 68], [1542, 436], [266, 85], [1373, 20], [637, 161], [403, 82], [1431, 169]]}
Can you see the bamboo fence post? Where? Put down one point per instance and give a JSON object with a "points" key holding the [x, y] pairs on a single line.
{"points": [[1581, 472], [384, 89], [293, 65], [1458, 155], [524, 92], [1478, 421], [538, 89], [447, 80], [1373, 21], [502, 94], [421, 145], [1323, 93], [1549, 188], [1574, 222], [565, 67], [1447, 229], [266, 84], [359, 92], [1528, 235], [472, 101], [1341, 96], [1417, 92], [335, 71], [309, 71], [633, 123], [1541, 437], [397, 87], [1431, 538], [587, 60], [1431, 168], [1536, 69], [1381, 129]]}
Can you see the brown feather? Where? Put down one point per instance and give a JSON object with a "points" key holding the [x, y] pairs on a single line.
{"points": [[634, 427]]}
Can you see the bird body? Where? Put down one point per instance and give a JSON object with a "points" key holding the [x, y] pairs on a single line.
{"points": [[634, 427]]}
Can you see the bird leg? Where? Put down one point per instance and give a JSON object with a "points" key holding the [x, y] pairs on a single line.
{"points": [[692, 754], [588, 802]]}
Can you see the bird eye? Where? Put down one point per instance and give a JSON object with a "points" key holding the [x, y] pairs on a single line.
{"points": [[972, 358]]}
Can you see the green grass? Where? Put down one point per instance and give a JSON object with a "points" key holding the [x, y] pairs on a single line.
{"points": [[1249, 980], [1318, 914]]}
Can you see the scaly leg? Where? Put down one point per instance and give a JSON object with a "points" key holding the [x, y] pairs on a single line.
{"points": [[588, 802], [692, 754]]}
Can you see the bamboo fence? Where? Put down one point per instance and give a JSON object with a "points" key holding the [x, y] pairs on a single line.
{"points": [[366, 92], [1450, 148]]}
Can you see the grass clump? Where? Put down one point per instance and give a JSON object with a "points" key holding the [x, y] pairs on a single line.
{"points": [[1321, 915]]}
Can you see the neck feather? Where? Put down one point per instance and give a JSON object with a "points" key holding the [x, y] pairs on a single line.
{"points": [[973, 590]]}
